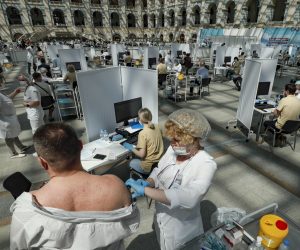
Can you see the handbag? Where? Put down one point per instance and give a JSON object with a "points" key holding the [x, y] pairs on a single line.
{"points": [[46, 101]]}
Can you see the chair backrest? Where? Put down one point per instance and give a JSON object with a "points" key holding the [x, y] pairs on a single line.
{"points": [[205, 81], [16, 184], [291, 126]]}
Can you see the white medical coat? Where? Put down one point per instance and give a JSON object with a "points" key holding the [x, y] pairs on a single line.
{"points": [[9, 124], [184, 185], [35, 227]]}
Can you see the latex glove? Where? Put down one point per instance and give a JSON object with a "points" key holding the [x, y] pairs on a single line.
{"points": [[139, 190], [117, 137], [143, 183], [128, 146]]}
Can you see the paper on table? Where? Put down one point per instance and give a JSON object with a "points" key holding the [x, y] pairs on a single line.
{"points": [[132, 130]]}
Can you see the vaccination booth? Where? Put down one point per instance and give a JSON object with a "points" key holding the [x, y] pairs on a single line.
{"points": [[101, 89]]}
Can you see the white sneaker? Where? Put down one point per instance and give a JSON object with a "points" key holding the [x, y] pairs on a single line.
{"points": [[14, 156]]}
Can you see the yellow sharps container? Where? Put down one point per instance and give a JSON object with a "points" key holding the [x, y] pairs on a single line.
{"points": [[273, 229]]}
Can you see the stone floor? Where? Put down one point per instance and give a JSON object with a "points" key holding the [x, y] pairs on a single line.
{"points": [[249, 176]]}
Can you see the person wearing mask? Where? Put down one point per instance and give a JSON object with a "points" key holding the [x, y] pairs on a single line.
{"points": [[187, 62], [70, 76], [150, 145], [181, 180], [202, 71], [127, 59], [234, 69], [32, 102], [10, 126], [67, 213], [254, 54], [168, 60], [287, 109], [45, 91], [161, 71], [30, 58]]}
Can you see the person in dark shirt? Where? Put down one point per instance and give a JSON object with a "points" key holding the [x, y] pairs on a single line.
{"points": [[46, 66]]}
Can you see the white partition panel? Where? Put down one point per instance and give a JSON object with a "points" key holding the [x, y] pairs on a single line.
{"points": [[179, 46], [115, 49], [276, 52], [72, 55], [52, 50], [141, 83], [268, 71], [150, 52], [212, 49], [248, 92], [99, 90], [220, 54], [266, 52]]}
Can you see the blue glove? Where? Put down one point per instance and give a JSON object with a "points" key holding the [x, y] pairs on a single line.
{"points": [[128, 146], [139, 190], [117, 137], [143, 183]]}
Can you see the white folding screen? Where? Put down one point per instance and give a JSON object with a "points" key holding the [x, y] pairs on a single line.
{"points": [[115, 50], [248, 92], [220, 54], [99, 90], [141, 83], [268, 70], [52, 50], [72, 55], [184, 47], [150, 52], [266, 52]]}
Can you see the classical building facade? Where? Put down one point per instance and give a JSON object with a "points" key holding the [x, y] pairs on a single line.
{"points": [[172, 20]]}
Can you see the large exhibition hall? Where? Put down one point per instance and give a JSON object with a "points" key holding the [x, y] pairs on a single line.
{"points": [[150, 124]]}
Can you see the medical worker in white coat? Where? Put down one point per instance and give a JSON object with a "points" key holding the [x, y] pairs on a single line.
{"points": [[180, 181]]}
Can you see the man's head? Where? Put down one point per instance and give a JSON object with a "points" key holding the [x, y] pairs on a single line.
{"points": [[37, 77], [289, 89], [57, 146]]}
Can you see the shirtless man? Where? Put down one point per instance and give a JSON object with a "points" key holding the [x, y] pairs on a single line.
{"points": [[74, 210]]}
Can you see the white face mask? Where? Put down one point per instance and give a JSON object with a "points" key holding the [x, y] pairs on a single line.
{"points": [[180, 150]]}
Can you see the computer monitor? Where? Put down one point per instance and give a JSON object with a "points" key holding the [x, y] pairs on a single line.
{"points": [[121, 55], [76, 65], [127, 110], [227, 59], [179, 53], [263, 88], [151, 61]]}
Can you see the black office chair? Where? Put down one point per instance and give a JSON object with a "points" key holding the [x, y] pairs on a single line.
{"points": [[16, 184], [205, 83], [137, 175], [290, 127]]}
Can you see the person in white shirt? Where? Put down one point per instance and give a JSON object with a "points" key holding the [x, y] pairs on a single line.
{"points": [[34, 110], [180, 181], [168, 60], [74, 210], [10, 126], [30, 57], [177, 67]]}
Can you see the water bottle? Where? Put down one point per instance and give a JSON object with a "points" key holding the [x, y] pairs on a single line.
{"points": [[256, 245], [105, 135], [101, 134], [284, 245]]}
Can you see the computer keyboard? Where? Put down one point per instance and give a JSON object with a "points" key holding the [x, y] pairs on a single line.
{"points": [[132, 139], [264, 106]]}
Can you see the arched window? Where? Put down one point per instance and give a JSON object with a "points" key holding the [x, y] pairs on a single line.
{"points": [[113, 2], [132, 36], [183, 17], [114, 19], [230, 12], [145, 37], [78, 18], [37, 17], [131, 20], [130, 3], [116, 38], [161, 38], [182, 38], [194, 37], [171, 37], [58, 17], [16, 36], [145, 21], [97, 19], [196, 15], [145, 4], [253, 8], [161, 20], [279, 10], [153, 20], [13, 15], [212, 14], [96, 2], [172, 18]]}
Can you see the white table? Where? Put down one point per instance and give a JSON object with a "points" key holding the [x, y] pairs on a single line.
{"points": [[263, 113], [221, 70], [114, 152]]}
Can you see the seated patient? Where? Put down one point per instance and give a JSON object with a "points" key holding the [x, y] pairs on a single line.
{"points": [[74, 210]]}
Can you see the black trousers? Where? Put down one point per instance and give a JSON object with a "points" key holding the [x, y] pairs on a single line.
{"points": [[270, 124]]}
